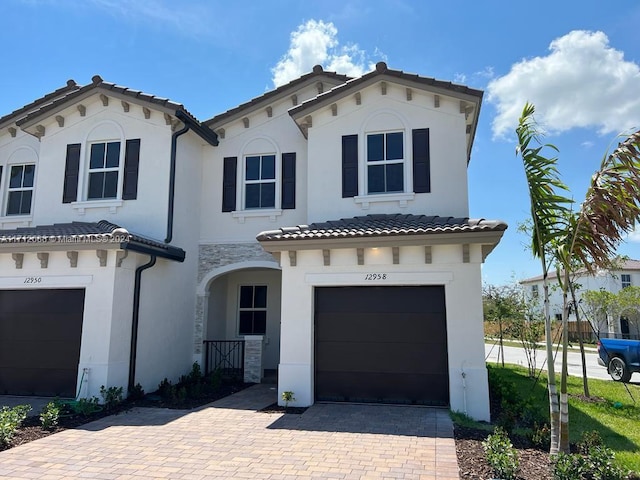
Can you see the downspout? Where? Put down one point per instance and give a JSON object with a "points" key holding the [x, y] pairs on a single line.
{"points": [[172, 180], [135, 320]]}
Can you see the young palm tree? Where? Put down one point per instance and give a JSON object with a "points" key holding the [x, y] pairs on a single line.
{"points": [[548, 209], [585, 239]]}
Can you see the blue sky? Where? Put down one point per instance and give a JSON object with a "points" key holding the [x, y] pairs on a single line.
{"points": [[580, 66]]}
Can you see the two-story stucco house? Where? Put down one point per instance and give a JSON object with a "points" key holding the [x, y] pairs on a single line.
{"points": [[325, 221], [626, 274]]}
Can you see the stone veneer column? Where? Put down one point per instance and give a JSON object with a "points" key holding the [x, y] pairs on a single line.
{"points": [[253, 358]]}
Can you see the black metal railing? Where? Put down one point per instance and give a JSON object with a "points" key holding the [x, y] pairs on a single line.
{"points": [[224, 356]]}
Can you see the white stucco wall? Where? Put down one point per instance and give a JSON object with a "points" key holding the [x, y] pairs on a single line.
{"points": [[463, 303]]}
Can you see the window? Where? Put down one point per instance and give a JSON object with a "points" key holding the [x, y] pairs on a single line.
{"points": [[534, 291], [260, 181], [385, 162], [104, 164], [108, 175], [626, 280], [20, 190], [252, 313]]}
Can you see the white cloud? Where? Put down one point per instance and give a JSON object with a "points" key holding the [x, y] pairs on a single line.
{"points": [[316, 43], [582, 82], [634, 236], [459, 78]]}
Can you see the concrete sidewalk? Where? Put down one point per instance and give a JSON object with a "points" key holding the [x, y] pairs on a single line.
{"points": [[231, 439]]}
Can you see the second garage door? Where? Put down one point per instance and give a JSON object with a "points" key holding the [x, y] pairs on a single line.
{"points": [[381, 344], [40, 333]]}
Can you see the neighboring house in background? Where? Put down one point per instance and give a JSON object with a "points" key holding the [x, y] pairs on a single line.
{"points": [[364, 283], [625, 275]]}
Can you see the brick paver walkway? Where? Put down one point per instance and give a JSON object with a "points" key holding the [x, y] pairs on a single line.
{"points": [[230, 439]]}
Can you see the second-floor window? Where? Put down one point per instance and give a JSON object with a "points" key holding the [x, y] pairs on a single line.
{"points": [[260, 181], [104, 167], [534, 291], [385, 162], [20, 189], [626, 280]]}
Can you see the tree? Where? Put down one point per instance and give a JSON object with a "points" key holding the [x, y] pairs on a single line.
{"points": [[586, 239], [502, 305]]}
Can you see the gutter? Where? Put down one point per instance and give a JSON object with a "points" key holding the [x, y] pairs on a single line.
{"points": [[135, 320]]}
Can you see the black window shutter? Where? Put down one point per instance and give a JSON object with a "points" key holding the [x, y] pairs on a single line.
{"points": [[131, 163], [229, 173], [0, 174], [288, 180], [71, 169], [421, 161], [349, 166]]}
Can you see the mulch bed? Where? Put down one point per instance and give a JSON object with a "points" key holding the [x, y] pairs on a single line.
{"points": [[275, 408], [534, 463]]}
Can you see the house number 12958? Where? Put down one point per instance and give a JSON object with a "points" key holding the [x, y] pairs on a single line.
{"points": [[32, 279], [375, 276]]}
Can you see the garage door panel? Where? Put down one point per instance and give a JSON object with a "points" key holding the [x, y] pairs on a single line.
{"points": [[407, 327], [375, 357], [40, 335], [377, 387], [381, 344]]}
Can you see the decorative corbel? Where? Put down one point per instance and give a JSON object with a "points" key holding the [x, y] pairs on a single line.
{"points": [[326, 256], [147, 113], [436, 101], [396, 255], [72, 255], [44, 259], [12, 131], [40, 131], [220, 132], [120, 256], [174, 125], [409, 94], [320, 87], [269, 111], [465, 253], [18, 258], [308, 121], [60, 120], [125, 106], [427, 254], [358, 98], [468, 129], [293, 258], [360, 253], [102, 256], [245, 122], [334, 109], [105, 100], [167, 119], [82, 109], [383, 88], [294, 99]]}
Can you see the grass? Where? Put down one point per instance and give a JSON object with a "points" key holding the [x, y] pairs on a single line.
{"points": [[611, 410]]}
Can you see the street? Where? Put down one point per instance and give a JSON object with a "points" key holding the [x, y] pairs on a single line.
{"points": [[516, 355]]}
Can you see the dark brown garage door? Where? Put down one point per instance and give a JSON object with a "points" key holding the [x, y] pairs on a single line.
{"points": [[40, 333], [381, 344]]}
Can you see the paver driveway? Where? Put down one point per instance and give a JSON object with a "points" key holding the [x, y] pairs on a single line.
{"points": [[230, 439]]}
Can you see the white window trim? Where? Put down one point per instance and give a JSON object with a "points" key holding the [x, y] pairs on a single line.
{"points": [[4, 188], [265, 212], [403, 199], [271, 213], [88, 171], [110, 203], [623, 282]]}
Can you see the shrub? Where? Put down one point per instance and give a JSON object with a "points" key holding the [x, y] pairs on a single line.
{"points": [[166, 390], [588, 441], [111, 397], [601, 464], [86, 406], [50, 415], [10, 421], [501, 455], [568, 467], [136, 393], [541, 436], [288, 397]]}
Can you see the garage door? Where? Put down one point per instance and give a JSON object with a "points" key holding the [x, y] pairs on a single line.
{"points": [[381, 344], [40, 333]]}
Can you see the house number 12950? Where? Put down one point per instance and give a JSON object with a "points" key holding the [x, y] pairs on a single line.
{"points": [[32, 279], [375, 276]]}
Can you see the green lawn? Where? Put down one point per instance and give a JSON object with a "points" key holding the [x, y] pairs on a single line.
{"points": [[616, 416]]}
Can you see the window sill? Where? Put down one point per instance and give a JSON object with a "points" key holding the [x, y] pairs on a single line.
{"points": [[241, 215], [15, 221], [111, 204], [402, 198]]}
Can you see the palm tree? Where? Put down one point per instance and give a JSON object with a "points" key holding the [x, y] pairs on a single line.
{"points": [[548, 208], [585, 239]]}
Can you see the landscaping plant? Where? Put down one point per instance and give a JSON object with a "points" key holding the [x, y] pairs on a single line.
{"points": [[50, 415], [10, 420], [501, 455]]}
